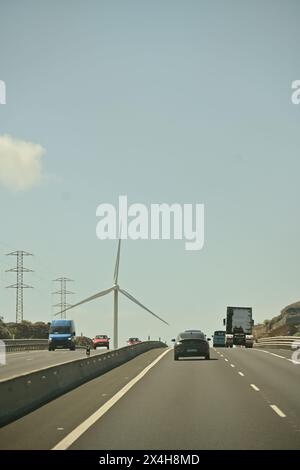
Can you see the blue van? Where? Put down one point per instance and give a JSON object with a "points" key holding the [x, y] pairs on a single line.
{"points": [[219, 339], [62, 335]]}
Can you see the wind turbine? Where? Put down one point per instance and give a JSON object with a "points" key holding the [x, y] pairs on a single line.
{"points": [[115, 289]]}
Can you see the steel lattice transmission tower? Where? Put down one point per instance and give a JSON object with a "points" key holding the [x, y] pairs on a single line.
{"points": [[63, 292], [20, 270]]}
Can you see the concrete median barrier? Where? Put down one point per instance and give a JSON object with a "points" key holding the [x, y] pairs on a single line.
{"points": [[22, 394]]}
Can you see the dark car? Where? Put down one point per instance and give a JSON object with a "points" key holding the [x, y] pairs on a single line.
{"points": [[191, 343]]}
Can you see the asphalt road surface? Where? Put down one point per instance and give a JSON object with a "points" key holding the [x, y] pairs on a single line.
{"points": [[241, 399], [27, 361]]}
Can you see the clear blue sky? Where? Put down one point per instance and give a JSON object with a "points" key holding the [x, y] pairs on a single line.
{"points": [[173, 101]]}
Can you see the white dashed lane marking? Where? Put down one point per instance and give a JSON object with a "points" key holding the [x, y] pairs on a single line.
{"points": [[278, 411], [275, 408]]}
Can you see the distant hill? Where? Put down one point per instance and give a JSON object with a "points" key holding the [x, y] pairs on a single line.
{"points": [[287, 323]]}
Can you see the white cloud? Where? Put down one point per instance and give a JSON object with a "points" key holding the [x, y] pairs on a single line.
{"points": [[20, 163]]}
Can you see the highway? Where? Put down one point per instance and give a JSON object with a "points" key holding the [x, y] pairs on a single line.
{"points": [[27, 361], [241, 399]]}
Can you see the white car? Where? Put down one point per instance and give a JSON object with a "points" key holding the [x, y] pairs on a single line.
{"points": [[296, 344]]}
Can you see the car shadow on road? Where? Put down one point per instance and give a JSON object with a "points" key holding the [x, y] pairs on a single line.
{"points": [[197, 359]]}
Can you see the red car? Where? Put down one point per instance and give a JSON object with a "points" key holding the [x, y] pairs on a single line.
{"points": [[101, 341], [132, 341]]}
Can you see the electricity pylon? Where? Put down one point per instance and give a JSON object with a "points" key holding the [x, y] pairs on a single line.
{"points": [[20, 270], [63, 292]]}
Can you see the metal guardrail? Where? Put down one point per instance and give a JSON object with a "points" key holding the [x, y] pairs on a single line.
{"points": [[282, 342], [25, 344], [15, 345]]}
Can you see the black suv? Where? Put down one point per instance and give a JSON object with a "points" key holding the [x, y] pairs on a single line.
{"points": [[191, 343]]}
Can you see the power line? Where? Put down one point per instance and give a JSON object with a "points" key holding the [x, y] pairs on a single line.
{"points": [[19, 286], [63, 292], [45, 266]]}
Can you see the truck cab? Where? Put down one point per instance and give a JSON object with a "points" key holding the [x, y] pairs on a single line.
{"points": [[62, 335]]}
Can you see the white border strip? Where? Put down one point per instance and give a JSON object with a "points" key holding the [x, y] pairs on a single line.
{"points": [[277, 355]]}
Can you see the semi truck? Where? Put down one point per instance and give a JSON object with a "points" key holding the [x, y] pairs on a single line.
{"points": [[239, 324]]}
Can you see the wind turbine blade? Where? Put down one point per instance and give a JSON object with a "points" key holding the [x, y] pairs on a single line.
{"points": [[116, 273], [130, 297], [96, 296]]}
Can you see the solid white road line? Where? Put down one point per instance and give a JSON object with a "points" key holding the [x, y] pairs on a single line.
{"points": [[67, 441], [278, 411], [254, 387], [241, 374], [268, 352], [297, 361], [277, 355]]}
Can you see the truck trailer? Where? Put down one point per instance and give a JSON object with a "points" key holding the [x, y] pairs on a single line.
{"points": [[239, 324]]}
